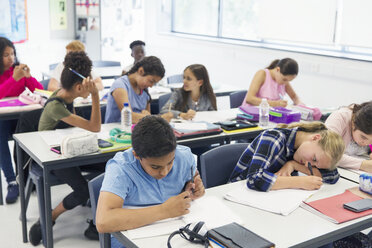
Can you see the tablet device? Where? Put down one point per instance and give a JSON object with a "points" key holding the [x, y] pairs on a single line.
{"points": [[359, 205]]}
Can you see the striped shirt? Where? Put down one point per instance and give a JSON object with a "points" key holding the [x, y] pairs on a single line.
{"points": [[266, 155]]}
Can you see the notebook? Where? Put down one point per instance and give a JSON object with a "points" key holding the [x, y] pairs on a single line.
{"points": [[186, 130], [234, 235], [11, 103], [200, 210], [271, 201], [331, 208]]}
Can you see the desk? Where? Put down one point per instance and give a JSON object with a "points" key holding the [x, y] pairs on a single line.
{"points": [[12, 113], [40, 152], [299, 229], [351, 175]]}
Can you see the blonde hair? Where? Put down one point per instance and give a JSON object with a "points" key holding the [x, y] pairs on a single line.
{"points": [[331, 142], [76, 46]]}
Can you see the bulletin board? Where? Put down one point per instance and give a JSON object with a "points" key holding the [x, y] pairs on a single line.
{"points": [[13, 16]]}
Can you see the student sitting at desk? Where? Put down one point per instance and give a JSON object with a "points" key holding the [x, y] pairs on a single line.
{"points": [[273, 83], [132, 88], [59, 109], [14, 78], [270, 159], [155, 172], [138, 52], [55, 80], [354, 124], [195, 95]]}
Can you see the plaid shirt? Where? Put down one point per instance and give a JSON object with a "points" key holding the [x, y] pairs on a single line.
{"points": [[266, 155]]}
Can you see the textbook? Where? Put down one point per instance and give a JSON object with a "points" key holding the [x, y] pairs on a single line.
{"points": [[331, 208], [271, 201]]}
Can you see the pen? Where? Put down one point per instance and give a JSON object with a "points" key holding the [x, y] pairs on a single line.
{"points": [[310, 168], [216, 242], [192, 180], [76, 73]]}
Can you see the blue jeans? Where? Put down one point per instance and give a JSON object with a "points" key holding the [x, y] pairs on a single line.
{"points": [[6, 130]]}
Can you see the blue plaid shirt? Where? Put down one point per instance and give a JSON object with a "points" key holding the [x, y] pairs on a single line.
{"points": [[266, 155]]}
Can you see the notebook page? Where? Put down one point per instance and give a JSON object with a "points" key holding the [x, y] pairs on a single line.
{"points": [[282, 201]]}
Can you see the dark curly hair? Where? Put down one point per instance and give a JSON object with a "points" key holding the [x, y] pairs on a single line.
{"points": [[4, 42], [137, 43], [78, 61], [153, 137], [287, 66]]}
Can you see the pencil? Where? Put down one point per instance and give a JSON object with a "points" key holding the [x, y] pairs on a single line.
{"points": [[192, 179], [170, 107], [76, 73], [310, 168]]}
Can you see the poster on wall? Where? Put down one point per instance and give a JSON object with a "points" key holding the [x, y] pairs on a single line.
{"points": [[13, 16], [87, 7], [58, 14]]}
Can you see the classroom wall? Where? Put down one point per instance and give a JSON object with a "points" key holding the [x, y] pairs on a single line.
{"points": [[44, 47], [322, 81]]}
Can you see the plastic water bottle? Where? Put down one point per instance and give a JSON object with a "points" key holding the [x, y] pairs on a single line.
{"points": [[264, 113], [126, 118]]}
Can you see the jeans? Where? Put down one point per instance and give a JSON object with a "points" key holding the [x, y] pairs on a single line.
{"points": [[7, 128]]}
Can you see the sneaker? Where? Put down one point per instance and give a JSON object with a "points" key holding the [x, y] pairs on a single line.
{"points": [[91, 232], [35, 235], [13, 192]]}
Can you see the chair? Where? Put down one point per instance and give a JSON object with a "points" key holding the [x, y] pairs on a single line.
{"points": [[45, 83], [175, 79], [217, 164], [94, 186], [236, 98], [103, 63], [163, 99]]}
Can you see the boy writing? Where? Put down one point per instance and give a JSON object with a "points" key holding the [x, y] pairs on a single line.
{"points": [[155, 173]]}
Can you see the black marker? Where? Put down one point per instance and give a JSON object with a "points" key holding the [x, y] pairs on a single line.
{"points": [[310, 168]]}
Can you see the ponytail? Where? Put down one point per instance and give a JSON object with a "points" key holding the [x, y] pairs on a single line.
{"points": [[330, 142], [287, 66]]}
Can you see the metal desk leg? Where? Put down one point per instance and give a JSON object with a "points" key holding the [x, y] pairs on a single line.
{"points": [[21, 183], [48, 209]]}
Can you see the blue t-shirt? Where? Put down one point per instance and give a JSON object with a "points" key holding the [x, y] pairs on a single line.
{"points": [[137, 102], [126, 178]]}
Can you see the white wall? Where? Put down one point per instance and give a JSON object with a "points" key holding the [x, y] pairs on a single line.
{"points": [[42, 48], [322, 81]]}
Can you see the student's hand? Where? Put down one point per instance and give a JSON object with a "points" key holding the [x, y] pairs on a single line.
{"points": [[281, 103], [198, 187], [366, 165], [311, 182], [167, 116], [177, 205], [145, 112], [21, 71], [90, 86], [188, 115], [286, 170]]}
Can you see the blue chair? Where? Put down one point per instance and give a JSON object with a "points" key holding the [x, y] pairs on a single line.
{"points": [[175, 79], [163, 99], [236, 98], [104, 63], [217, 164], [45, 83], [94, 186]]}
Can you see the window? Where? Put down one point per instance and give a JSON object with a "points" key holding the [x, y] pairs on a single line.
{"points": [[317, 26]]}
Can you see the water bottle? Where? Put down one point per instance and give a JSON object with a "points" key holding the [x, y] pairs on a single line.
{"points": [[264, 113], [126, 118]]}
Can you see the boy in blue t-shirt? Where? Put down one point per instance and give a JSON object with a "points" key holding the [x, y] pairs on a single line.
{"points": [[155, 173]]}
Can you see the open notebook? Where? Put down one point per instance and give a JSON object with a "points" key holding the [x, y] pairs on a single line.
{"points": [[271, 201], [200, 210]]}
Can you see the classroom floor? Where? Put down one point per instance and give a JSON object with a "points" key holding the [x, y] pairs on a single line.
{"points": [[68, 230]]}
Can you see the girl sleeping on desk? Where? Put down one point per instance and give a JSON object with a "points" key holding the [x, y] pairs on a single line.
{"points": [[270, 160]]}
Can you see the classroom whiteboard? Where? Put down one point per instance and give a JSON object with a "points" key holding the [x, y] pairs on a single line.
{"points": [[297, 20]]}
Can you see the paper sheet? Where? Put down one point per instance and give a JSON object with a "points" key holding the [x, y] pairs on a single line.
{"points": [[282, 201]]}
